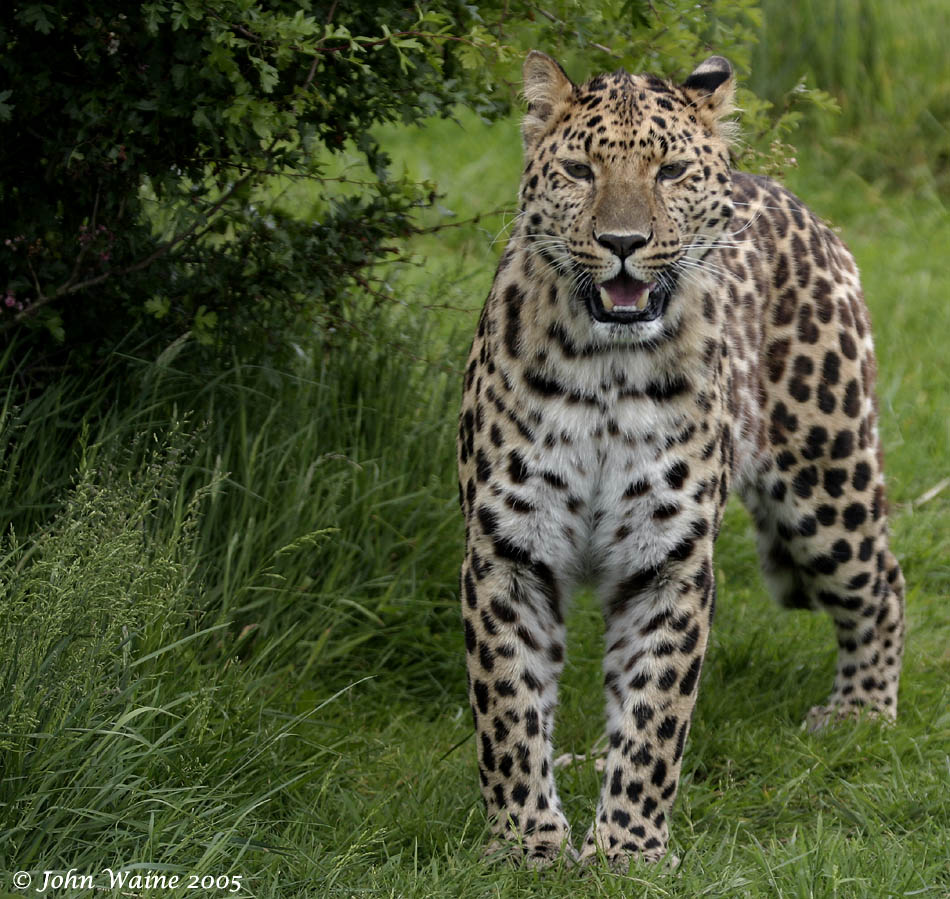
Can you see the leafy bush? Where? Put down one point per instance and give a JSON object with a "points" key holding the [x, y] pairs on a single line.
{"points": [[150, 149], [139, 141]]}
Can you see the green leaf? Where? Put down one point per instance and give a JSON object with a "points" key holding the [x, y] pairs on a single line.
{"points": [[37, 15], [6, 109], [205, 322], [158, 306], [54, 324], [268, 74]]}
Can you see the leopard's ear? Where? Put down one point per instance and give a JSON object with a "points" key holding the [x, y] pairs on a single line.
{"points": [[546, 88], [712, 88]]}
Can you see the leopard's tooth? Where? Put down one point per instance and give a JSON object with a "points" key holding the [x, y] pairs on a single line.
{"points": [[605, 299], [643, 299]]}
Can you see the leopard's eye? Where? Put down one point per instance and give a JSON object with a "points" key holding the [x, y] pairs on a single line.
{"points": [[578, 170], [671, 171]]}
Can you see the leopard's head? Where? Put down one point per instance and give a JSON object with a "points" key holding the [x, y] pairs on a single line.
{"points": [[626, 185]]}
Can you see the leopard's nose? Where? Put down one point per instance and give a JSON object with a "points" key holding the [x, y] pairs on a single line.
{"points": [[622, 244]]}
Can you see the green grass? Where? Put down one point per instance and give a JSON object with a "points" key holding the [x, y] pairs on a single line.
{"points": [[885, 65], [229, 641]]}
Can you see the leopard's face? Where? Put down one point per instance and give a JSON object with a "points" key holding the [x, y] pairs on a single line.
{"points": [[626, 187]]}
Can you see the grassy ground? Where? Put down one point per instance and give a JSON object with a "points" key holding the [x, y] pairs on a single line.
{"points": [[230, 642]]}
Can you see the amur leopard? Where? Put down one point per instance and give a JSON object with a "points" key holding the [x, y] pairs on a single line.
{"points": [[661, 329]]}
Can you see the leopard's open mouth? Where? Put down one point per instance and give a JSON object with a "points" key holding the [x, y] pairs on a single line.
{"points": [[624, 300]]}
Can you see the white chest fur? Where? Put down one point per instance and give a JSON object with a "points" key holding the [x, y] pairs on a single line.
{"points": [[612, 495]]}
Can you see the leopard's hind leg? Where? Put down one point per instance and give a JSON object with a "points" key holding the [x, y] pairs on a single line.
{"points": [[824, 544]]}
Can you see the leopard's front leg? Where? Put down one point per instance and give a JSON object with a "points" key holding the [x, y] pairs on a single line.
{"points": [[657, 627], [514, 637]]}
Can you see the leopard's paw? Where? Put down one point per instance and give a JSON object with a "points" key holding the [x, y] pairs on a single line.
{"points": [[820, 717]]}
